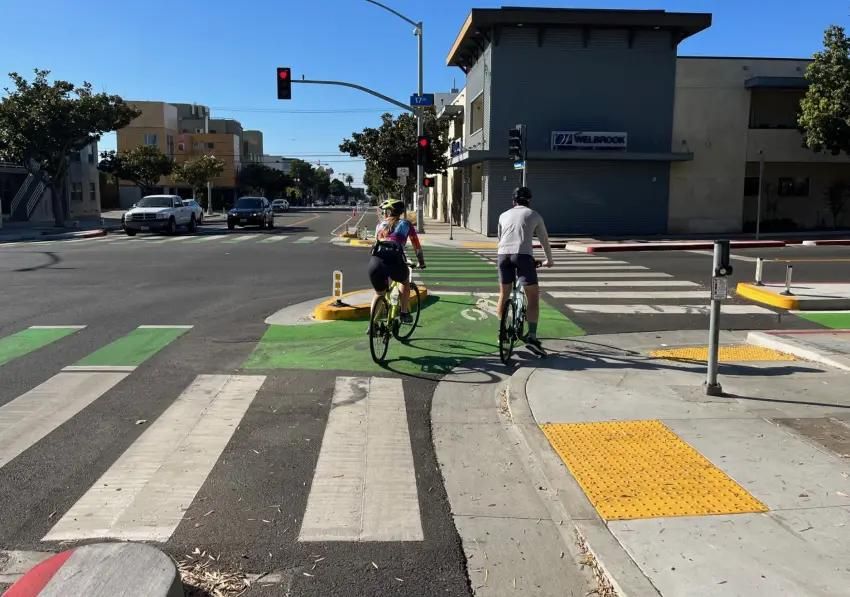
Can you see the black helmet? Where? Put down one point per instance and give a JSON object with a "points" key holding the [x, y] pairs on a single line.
{"points": [[522, 194]]}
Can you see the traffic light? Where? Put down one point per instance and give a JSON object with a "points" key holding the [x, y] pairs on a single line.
{"points": [[429, 181], [284, 83], [423, 150], [515, 144]]}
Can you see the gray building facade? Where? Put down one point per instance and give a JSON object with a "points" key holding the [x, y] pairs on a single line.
{"points": [[595, 90]]}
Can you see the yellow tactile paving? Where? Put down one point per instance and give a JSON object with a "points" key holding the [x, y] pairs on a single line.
{"points": [[726, 354], [641, 469]]}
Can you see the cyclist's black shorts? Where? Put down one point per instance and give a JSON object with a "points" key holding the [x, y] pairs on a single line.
{"points": [[517, 265], [387, 266]]}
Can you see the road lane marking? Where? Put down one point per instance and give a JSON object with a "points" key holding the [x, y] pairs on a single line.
{"points": [[609, 275], [304, 221], [240, 238], [667, 309], [34, 337], [631, 283], [364, 485], [170, 239], [30, 417], [543, 273], [306, 239], [731, 256], [134, 348], [274, 239], [650, 294], [207, 237], [145, 493]]}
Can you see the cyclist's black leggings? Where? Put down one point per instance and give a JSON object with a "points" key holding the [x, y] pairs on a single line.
{"points": [[390, 267]]}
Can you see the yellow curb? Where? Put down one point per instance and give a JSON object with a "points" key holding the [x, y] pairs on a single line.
{"points": [[766, 297], [327, 311], [479, 245], [359, 242]]}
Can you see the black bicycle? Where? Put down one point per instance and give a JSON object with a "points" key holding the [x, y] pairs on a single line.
{"points": [[385, 320], [512, 322]]}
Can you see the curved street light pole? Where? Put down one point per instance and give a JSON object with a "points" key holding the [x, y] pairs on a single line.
{"points": [[419, 196]]}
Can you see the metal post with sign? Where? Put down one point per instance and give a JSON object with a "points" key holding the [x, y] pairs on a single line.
{"points": [[336, 288], [721, 270]]}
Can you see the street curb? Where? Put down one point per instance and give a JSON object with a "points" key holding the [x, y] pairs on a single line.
{"points": [[547, 470], [359, 242], [60, 236], [328, 311], [670, 246], [785, 344], [826, 242], [102, 570], [759, 295]]}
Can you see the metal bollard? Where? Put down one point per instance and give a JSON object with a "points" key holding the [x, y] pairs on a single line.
{"points": [[788, 271], [759, 271]]}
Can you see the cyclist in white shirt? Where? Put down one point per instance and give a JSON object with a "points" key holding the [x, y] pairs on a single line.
{"points": [[517, 228]]}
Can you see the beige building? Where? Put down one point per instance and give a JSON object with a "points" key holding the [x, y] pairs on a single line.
{"points": [[731, 113]]}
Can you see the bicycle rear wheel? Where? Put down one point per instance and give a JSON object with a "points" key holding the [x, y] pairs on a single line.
{"points": [[404, 331], [379, 330], [506, 332]]}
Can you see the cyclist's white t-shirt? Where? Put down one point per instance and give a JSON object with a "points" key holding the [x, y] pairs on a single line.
{"points": [[517, 228]]}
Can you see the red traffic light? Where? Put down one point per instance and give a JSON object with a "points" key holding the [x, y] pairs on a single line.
{"points": [[428, 181], [283, 73], [284, 83], [424, 142]]}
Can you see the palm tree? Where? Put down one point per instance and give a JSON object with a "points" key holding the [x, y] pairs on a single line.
{"points": [[348, 180]]}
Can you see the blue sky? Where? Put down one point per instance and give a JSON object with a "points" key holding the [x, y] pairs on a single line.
{"points": [[224, 54]]}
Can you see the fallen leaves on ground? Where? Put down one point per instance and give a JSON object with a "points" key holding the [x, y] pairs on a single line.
{"points": [[200, 579]]}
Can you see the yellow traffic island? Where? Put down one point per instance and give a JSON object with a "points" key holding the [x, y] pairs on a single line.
{"points": [[353, 306], [361, 242], [767, 295]]}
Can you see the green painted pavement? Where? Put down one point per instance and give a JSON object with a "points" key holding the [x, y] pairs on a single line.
{"points": [[30, 339], [444, 339], [478, 267], [489, 274], [135, 348], [839, 320], [491, 283]]}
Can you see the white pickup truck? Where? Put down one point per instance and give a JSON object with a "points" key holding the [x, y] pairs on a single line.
{"points": [[164, 213]]}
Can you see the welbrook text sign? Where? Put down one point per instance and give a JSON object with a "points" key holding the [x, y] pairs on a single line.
{"points": [[562, 140]]}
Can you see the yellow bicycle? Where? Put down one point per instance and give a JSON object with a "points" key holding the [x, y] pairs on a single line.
{"points": [[385, 321]]}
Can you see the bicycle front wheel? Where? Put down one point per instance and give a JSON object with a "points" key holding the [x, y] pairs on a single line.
{"points": [[379, 330], [405, 331], [507, 333]]}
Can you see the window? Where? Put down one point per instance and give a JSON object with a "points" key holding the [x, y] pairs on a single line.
{"points": [[476, 122], [774, 108], [92, 192], [75, 156], [197, 146], [91, 156], [210, 145], [181, 147], [794, 187], [169, 141], [751, 186], [150, 139], [178, 203], [76, 191]]}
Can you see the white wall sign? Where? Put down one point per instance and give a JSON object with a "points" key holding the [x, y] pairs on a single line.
{"points": [[565, 140]]}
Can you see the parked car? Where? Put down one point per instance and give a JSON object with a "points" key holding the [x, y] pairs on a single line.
{"points": [[196, 209], [251, 211], [164, 213], [280, 205]]}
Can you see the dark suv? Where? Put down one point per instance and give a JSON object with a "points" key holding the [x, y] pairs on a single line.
{"points": [[251, 211]]}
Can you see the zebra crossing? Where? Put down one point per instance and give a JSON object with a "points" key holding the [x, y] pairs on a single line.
{"points": [[588, 284], [363, 487], [118, 239]]}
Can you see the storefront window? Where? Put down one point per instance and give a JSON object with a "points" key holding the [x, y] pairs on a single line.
{"points": [[794, 187], [751, 186]]}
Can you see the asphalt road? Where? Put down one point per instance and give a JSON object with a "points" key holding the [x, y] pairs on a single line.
{"points": [[250, 500]]}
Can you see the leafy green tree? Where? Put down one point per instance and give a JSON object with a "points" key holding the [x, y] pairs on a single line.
{"points": [[304, 176], [323, 182], [338, 188], [824, 116], [262, 179], [349, 180], [197, 173], [41, 124], [144, 166], [393, 144], [836, 199]]}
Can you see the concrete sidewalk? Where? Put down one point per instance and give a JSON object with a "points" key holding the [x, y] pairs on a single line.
{"points": [[678, 493]]}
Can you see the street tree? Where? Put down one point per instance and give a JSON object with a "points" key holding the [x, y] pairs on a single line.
{"points": [[836, 199], [824, 116], [303, 175], [197, 173], [338, 188], [42, 123], [323, 182], [349, 180], [143, 165], [264, 180], [393, 144]]}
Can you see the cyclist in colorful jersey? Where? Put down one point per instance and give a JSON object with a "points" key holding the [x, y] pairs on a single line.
{"points": [[388, 260]]}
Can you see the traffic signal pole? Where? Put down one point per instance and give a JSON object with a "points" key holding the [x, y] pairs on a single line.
{"points": [[420, 169]]}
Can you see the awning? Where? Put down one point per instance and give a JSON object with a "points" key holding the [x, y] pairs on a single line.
{"points": [[776, 83]]}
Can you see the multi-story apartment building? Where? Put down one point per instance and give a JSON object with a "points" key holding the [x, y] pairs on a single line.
{"points": [[624, 137]]}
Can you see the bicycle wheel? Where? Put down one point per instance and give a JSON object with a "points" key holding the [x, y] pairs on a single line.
{"points": [[379, 331], [404, 331], [506, 332]]}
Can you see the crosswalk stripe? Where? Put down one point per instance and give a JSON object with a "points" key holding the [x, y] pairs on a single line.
{"points": [[364, 484], [239, 238], [306, 239], [33, 338], [161, 472], [274, 239], [31, 416], [170, 239], [631, 283], [650, 294], [591, 268], [207, 238], [667, 309], [596, 274]]}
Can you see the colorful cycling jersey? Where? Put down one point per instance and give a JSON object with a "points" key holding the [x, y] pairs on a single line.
{"points": [[398, 235]]}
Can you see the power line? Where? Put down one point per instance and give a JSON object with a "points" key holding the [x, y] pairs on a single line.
{"points": [[322, 111]]}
